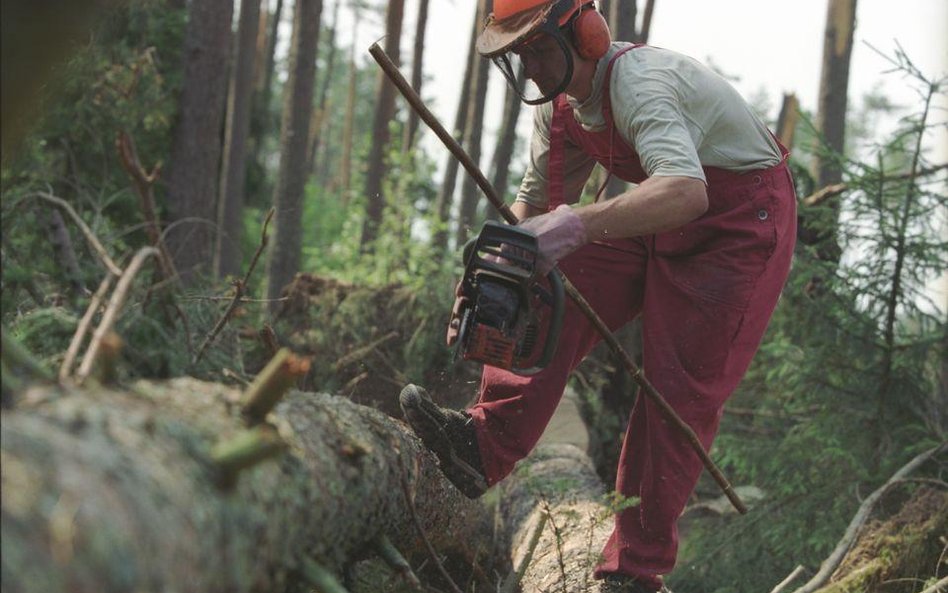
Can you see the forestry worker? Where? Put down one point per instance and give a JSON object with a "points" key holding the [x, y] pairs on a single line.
{"points": [[700, 247]]}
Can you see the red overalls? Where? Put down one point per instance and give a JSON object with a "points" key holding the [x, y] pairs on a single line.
{"points": [[705, 292]]}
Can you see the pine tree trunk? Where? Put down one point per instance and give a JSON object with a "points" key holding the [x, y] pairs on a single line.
{"points": [[196, 145], [107, 491], [621, 15], [506, 140], [228, 257], [384, 113], [787, 120], [284, 256], [446, 192], [260, 119], [470, 195], [320, 115], [348, 132], [831, 119], [417, 72]]}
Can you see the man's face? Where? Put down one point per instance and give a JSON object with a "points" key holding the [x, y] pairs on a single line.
{"points": [[544, 61]]}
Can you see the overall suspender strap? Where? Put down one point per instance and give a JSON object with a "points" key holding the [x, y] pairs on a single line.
{"points": [[556, 162], [557, 156]]}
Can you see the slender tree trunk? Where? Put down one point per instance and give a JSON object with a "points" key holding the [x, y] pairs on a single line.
{"points": [[417, 72], [467, 213], [114, 491], [831, 118], [787, 120], [642, 36], [621, 15], [260, 124], [228, 257], [446, 193], [345, 168], [320, 115], [506, 140], [384, 114], [196, 145], [283, 259]]}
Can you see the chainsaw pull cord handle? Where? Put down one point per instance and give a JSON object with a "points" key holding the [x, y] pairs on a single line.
{"points": [[415, 102]]}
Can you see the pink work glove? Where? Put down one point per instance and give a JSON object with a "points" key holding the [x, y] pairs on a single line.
{"points": [[559, 233]]}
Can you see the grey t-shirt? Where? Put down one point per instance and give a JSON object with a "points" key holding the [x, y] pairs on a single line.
{"points": [[677, 114]]}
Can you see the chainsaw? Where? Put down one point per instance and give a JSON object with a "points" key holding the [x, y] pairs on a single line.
{"points": [[506, 316]]}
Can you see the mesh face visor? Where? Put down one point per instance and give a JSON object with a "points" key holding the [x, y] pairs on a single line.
{"points": [[544, 63]]}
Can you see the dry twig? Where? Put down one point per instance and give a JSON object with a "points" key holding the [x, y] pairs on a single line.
{"points": [[239, 287], [360, 353], [86, 231], [143, 183], [69, 360], [112, 311]]}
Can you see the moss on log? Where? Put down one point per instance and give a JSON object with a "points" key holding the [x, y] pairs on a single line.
{"points": [[118, 491], [899, 554]]}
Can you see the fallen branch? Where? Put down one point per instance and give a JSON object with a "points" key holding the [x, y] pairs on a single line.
{"points": [[112, 311], [831, 191], [86, 231], [239, 287], [790, 578], [143, 183], [360, 353], [939, 587], [830, 565], [65, 369]]}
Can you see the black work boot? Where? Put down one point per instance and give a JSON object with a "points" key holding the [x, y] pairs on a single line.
{"points": [[450, 435], [617, 583]]}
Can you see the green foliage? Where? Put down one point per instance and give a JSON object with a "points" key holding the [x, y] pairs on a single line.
{"points": [[124, 79]]}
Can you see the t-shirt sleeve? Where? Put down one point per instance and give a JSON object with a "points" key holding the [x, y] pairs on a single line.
{"points": [[649, 115], [577, 165]]}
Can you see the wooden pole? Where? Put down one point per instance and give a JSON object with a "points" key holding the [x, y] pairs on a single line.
{"points": [[391, 70]]}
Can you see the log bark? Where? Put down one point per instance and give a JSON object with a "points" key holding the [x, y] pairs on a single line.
{"points": [[120, 490], [559, 482]]}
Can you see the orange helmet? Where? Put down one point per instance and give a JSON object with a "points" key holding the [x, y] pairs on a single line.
{"points": [[516, 21], [519, 24]]}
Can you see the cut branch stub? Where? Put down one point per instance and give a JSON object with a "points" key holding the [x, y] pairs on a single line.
{"points": [[271, 384], [245, 451]]}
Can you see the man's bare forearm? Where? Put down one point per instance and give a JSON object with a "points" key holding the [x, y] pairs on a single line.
{"points": [[658, 204]]}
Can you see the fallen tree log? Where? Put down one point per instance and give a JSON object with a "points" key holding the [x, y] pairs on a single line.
{"points": [[122, 491], [556, 491]]}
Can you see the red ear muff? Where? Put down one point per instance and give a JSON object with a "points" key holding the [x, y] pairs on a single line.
{"points": [[591, 34]]}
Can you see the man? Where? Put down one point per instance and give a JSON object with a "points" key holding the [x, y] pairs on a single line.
{"points": [[700, 247]]}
